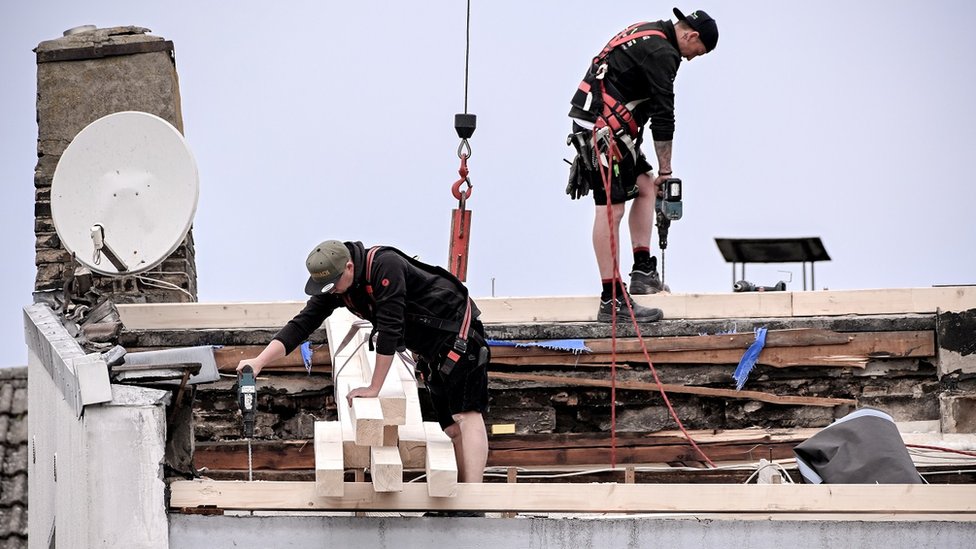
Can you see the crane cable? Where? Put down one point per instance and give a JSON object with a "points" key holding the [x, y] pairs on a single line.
{"points": [[464, 125]]}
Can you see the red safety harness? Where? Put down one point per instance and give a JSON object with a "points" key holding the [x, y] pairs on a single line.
{"points": [[611, 112], [460, 345]]}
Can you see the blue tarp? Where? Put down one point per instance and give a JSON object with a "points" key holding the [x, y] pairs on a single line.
{"points": [[575, 346]]}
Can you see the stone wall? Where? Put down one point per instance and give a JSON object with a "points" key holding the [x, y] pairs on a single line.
{"points": [[81, 78]]}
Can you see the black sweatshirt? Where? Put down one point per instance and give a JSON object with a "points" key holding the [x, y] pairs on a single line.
{"points": [[645, 72], [405, 292]]}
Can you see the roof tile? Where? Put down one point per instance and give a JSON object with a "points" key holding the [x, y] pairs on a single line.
{"points": [[13, 490]]}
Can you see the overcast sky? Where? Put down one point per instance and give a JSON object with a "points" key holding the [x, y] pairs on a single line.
{"points": [[852, 121]]}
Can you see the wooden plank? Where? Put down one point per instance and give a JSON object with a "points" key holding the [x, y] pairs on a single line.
{"points": [[680, 389], [328, 459], [884, 301], [229, 356], [209, 315], [590, 498], [774, 338], [386, 470], [583, 309], [861, 347], [441, 466]]}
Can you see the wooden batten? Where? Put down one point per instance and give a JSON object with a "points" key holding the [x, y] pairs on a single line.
{"points": [[583, 309], [935, 499]]}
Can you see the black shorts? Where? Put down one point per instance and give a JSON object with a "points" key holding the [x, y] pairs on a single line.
{"points": [[464, 390], [623, 182]]}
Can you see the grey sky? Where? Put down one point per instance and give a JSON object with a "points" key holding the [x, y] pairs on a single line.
{"points": [[853, 121]]}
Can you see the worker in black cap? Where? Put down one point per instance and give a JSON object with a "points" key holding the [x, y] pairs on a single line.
{"points": [[412, 306], [628, 84]]}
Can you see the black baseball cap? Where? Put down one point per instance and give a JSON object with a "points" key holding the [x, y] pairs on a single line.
{"points": [[703, 24]]}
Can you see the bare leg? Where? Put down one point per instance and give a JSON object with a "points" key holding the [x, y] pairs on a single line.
{"points": [[642, 212], [601, 238], [470, 440]]}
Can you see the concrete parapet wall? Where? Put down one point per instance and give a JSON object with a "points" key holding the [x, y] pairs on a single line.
{"points": [[94, 470], [217, 532]]}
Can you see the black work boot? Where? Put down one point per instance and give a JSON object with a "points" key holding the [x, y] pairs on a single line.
{"points": [[619, 307], [646, 282], [644, 279]]}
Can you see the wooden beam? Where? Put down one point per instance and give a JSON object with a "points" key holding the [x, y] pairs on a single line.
{"points": [[367, 419], [355, 455], [588, 498], [386, 470], [671, 388], [441, 466], [393, 399], [411, 436], [583, 309], [328, 459]]}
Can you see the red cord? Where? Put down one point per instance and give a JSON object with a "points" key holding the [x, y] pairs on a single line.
{"points": [[606, 176], [942, 449]]}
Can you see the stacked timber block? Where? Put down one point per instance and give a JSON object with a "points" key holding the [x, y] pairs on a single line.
{"points": [[385, 434]]}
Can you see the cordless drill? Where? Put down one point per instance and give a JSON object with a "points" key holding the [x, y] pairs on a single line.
{"points": [[246, 393], [668, 209]]}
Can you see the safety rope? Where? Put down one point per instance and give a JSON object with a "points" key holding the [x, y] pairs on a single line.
{"points": [[606, 176]]}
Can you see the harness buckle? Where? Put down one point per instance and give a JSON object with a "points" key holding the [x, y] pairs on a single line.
{"points": [[601, 71]]}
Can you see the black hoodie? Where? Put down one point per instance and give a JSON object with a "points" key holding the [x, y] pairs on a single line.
{"points": [[406, 293]]}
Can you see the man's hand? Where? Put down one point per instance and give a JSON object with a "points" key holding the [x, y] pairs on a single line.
{"points": [[255, 365], [364, 392], [659, 184]]}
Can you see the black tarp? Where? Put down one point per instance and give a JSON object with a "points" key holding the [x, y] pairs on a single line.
{"points": [[863, 447]]}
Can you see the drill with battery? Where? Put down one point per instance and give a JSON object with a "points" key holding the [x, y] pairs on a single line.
{"points": [[246, 393], [668, 208]]}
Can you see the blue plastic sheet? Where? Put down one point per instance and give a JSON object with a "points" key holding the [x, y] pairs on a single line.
{"points": [[575, 346], [306, 349], [749, 359]]}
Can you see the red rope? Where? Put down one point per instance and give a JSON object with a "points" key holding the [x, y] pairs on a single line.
{"points": [[942, 449], [606, 176]]}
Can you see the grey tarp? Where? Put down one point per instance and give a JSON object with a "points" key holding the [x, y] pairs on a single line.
{"points": [[863, 447]]}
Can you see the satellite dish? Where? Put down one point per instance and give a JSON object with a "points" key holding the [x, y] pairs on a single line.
{"points": [[124, 193]]}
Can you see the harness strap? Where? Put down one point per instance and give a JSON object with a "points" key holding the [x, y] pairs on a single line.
{"points": [[615, 114], [625, 36], [611, 112], [460, 345]]}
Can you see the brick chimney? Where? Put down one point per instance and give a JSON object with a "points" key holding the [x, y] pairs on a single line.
{"points": [[85, 75]]}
